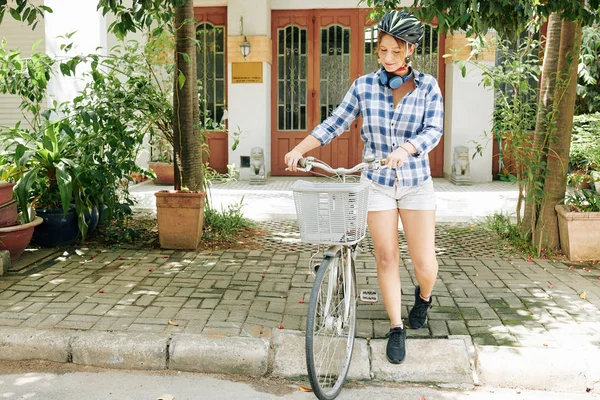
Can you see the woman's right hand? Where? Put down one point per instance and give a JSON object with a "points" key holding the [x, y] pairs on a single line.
{"points": [[291, 159]]}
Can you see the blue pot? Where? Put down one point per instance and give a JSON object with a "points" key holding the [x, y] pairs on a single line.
{"points": [[57, 229], [92, 218]]}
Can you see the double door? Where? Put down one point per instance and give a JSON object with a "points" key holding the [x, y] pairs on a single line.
{"points": [[317, 54], [315, 60]]}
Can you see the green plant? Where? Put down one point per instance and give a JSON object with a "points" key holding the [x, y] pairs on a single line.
{"points": [[503, 226], [588, 85], [585, 144], [585, 200], [514, 80], [224, 224]]}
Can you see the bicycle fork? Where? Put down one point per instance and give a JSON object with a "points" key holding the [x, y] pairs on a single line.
{"points": [[347, 257]]}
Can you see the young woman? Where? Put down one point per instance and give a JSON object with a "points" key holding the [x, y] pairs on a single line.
{"points": [[402, 112]]}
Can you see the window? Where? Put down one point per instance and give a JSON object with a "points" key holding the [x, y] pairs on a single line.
{"points": [[211, 66]]}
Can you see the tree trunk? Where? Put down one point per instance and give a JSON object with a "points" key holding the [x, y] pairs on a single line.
{"points": [[546, 232], [545, 107], [186, 133]]}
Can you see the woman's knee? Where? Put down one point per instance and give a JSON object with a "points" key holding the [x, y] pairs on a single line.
{"points": [[388, 258], [427, 264]]}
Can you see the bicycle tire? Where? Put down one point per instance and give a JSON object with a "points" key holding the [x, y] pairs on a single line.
{"points": [[327, 384]]}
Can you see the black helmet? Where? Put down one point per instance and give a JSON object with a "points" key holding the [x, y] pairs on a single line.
{"points": [[403, 26]]}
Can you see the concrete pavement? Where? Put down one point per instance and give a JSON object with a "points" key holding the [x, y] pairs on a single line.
{"points": [[497, 318]]}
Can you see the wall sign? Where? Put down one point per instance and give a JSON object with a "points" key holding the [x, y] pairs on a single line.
{"points": [[246, 72]]}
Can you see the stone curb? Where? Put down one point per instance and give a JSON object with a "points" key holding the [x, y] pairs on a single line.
{"points": [[222, 355], [453, 362], [24, 344]]}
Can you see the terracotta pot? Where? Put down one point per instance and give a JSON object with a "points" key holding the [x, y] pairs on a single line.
{"points": [[8, 213], [165, 172], [6, 192], [579, 234], [15, 238], [180, 218]]}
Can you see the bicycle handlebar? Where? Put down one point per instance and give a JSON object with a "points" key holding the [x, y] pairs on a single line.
{"points": [[309, 163]]}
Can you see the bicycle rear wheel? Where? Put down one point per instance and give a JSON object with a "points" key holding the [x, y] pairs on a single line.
{"points": [[330, 326]]}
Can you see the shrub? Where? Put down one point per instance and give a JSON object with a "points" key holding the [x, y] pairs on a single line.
{"points": [[585, 143]]}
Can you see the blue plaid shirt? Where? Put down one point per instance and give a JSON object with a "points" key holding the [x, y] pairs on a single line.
{"points": [[418, 119]]}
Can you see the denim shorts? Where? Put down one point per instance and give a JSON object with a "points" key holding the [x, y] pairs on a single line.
{"points": [[419, 197]]}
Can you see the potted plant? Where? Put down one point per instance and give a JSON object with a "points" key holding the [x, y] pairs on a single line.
{"points": [[579, 225], [15, 234]]}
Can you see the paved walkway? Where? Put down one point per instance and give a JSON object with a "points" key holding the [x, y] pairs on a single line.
{"points": [[454, 203], [491, 299]]}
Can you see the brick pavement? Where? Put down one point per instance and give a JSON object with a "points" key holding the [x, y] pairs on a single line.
{"points": [[497, 300]]}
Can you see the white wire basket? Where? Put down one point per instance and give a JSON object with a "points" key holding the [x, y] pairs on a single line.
{"points": [[330, 212]]}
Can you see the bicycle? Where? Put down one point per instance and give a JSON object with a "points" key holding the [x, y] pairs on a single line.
{"points": [[332, 214]]}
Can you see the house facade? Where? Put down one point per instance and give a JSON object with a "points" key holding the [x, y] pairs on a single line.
{"points": [[303, 56]]}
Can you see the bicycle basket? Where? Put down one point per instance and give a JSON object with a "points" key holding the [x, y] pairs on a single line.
{"points": [[331, 213]]}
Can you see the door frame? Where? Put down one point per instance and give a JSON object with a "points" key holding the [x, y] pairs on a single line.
{"points": [[363, 21]]}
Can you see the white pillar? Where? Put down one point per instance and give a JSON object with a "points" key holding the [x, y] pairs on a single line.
{"points": [[249, 104], [468, 119]]}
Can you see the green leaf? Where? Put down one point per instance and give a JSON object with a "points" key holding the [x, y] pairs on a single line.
{"points": [[181, 79], [15, 14], [65, 186], [22, 189]]}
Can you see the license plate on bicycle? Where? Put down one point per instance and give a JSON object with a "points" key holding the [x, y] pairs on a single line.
{"points": [[368, 296]]}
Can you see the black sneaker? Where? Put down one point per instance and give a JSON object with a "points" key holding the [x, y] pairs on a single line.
{"points": [[418, 314], [396, 345]]}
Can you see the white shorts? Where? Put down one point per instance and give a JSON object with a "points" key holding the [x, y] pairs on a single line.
{"points": [[419, 197]]}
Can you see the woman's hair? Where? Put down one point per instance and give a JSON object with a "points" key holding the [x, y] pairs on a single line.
{"points": [[380, 35]]}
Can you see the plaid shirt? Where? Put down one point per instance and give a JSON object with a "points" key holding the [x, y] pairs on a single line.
{"points": [[418, 119]]}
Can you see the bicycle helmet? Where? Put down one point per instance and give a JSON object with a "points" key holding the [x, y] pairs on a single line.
{"points": [[403, 26]]}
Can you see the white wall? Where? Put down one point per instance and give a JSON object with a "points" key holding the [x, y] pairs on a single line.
{"points": [[249, 104], [468, 116], [89, 26]]}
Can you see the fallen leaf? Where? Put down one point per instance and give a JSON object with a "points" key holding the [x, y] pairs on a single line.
{"points": [[582, 295], [301, 302], [101, 291], [166, 256], [173, 323], [587, 269], [588, 390], [305, 389], [571, 267], [280, 326], [422, 398], [550, 286]]}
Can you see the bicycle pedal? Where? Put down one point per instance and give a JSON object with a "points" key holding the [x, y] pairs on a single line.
{"points": [[368, 296]]}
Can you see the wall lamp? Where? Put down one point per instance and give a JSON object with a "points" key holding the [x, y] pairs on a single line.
{"points": [[245, 46]]}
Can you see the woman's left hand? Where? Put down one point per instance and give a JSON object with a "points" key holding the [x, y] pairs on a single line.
{"points": [[396, 158]]}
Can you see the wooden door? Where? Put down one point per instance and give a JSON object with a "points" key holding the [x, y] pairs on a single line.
{"points": [[211, 32], [315, 62], [317, 54]]}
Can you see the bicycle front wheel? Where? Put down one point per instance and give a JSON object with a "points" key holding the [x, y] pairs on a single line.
{"points": [[330, 325]]}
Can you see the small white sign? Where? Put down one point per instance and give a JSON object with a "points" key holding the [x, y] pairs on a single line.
{"points": [[368, 296]]}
